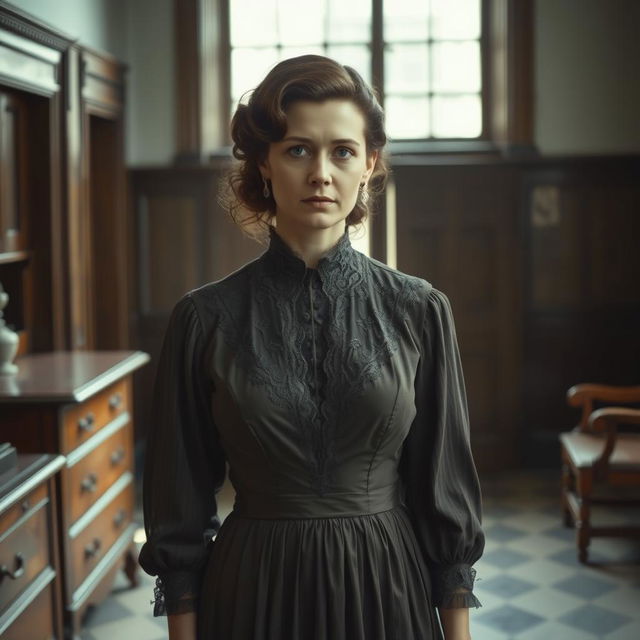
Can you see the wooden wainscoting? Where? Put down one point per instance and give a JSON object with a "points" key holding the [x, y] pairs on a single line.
{"points": [[540, 260], [457, 228]]}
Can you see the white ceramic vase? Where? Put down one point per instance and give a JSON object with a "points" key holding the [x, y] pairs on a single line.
{"points": [[8, 340]]}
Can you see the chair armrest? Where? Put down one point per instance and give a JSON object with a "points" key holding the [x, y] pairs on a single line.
{"points": [[584, 395], [608, 419], [580, 393], [601, 419]]}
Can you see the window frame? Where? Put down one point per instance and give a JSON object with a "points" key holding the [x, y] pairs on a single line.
{"points": [[203, 77], [378, 47]]}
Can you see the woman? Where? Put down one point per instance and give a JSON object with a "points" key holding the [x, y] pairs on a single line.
{"points": [[331, 384]]}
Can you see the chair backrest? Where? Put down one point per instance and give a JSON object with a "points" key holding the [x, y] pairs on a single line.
{"points": [[584, 395]]}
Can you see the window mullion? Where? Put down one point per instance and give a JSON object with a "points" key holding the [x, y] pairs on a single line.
{"points": [[377, 47], [224, 81]]}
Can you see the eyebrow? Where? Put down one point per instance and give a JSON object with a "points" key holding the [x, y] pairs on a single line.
{"points": [[303, 139]]}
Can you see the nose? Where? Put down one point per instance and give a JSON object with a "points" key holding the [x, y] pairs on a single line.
{"points": [[319, 172]]}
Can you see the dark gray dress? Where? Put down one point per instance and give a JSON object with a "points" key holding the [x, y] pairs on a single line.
{"points": [[336, 397]]}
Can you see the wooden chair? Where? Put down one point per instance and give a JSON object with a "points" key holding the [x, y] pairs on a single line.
{"points": [[597, 460]]}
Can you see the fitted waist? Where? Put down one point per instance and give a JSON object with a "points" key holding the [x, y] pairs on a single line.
{"points": [[312, 505]]}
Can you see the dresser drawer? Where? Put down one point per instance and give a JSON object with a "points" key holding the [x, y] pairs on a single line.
{"points": [[21, 508], [24, 551], [90, 545], [36, 622], [80, 422], [95, 472]]}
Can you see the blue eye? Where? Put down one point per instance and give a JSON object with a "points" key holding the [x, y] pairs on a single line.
{"points": [[343, 153], [297, 151]]}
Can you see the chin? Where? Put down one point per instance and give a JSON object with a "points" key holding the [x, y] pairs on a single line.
{"points": [[324, 222], [321, 220]]}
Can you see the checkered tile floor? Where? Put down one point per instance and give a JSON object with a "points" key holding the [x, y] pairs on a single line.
{"points": [[529, 580]]}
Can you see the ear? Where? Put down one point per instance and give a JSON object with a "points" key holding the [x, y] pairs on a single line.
{"points": [[265, 169], [372, 158]]}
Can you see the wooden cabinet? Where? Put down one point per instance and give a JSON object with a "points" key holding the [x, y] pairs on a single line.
{"points": [[80, 404], [30, 579], [64, 246]]}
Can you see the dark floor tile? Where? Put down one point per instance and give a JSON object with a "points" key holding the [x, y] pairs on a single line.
{"points": [[594, 619], [509, 619], [585, 586], [569, 557]]}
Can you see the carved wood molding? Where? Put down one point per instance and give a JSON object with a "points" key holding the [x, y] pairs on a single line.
{"points": [[14, 20], [102, 82]]}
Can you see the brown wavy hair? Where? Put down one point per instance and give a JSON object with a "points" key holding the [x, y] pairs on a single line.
{"points": [[263, 120]]}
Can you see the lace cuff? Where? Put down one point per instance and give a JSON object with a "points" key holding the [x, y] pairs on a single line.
{"points": [[175, 593], [454, 587]]}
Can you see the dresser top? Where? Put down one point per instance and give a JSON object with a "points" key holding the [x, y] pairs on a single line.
{"points": [[31, 470], [67, 376]]}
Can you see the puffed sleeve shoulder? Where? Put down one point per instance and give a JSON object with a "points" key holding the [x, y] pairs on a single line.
{"points": [[442, 490], [184, 466]]}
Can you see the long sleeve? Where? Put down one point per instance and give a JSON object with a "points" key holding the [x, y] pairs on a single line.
{"points": [[184, 467], [442, 490]]}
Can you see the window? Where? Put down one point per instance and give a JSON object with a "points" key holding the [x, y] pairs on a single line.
{"points": [[426, 54]]}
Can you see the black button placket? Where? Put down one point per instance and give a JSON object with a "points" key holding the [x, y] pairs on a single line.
{"points": [[314, 347]]}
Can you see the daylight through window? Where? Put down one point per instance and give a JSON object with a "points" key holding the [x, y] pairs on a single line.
{"points": [[430, 53]]}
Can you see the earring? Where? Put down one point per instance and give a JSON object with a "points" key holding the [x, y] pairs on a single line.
{"points": [[265, 191]]}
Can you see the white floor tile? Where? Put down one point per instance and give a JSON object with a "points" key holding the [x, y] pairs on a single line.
{"points": [[134, 627], [543, 572], [547, 602], [540, 545], [554, 631]]}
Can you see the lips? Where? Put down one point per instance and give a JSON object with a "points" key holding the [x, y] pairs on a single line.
{"points": [[318, 199]]}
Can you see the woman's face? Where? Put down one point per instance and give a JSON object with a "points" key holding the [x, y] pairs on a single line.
{"points": [[317, 168]]}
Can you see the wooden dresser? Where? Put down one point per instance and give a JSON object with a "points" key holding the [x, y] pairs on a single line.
{"points": [[79, 404], [30, 580]]}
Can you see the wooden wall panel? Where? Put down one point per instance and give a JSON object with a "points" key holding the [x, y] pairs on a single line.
{"points": [[171, 232], [581, 274], [457, 229], [478, 284]]}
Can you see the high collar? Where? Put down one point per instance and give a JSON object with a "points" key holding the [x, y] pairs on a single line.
{"points": [[339, 268]]}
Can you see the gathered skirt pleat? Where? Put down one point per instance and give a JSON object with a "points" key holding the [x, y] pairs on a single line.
{"points": [[339, 578]]}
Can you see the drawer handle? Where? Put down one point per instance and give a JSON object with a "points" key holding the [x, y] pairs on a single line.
{"points": [[92, 549], [115, 401], [90, 483], [87, 423], [117, 456], [26, 505], [17, 572], [119, 518]]}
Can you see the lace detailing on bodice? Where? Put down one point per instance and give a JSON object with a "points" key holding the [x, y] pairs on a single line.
{"points": [[314, 339]]}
